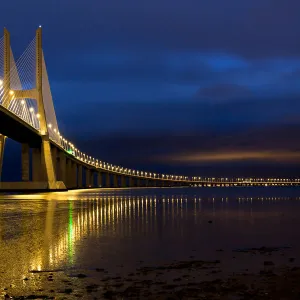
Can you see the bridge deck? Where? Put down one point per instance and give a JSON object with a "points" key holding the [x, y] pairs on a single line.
{"points": [[18, 130]]}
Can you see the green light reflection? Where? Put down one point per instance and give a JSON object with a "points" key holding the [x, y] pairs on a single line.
{"points": [[70, 233]]}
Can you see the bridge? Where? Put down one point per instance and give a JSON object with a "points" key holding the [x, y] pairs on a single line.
{"points": [[49, 160]]}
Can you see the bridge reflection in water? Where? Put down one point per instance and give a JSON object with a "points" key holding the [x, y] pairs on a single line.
{"points": [[90, 229]]}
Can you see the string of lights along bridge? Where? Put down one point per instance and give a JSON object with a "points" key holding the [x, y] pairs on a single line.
{"points": [[49, 160]]}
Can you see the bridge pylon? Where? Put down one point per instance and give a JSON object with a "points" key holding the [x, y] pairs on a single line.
{"points": [[42, 158], [46, 157], [6, 88]]}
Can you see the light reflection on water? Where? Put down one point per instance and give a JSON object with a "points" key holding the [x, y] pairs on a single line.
{"points": [[88, 229]]}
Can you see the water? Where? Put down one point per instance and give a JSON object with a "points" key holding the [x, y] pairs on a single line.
{"points": [[122, 230]]}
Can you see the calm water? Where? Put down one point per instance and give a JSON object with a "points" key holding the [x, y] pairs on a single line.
{"points": [[120, 230]]}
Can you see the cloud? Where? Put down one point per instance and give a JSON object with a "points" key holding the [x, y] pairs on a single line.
{"points": [[272, 151], [224, 92]]}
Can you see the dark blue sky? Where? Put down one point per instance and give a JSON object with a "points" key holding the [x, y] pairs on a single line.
{"points": [[169, 84]]}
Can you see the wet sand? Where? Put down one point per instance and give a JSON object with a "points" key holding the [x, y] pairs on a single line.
{"points": [[127, 246], [188, 279]]}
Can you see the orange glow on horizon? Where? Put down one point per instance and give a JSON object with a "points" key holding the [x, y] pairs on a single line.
{"points": [[268, 156]]}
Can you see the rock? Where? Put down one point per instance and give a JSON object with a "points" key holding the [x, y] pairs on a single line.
{"points": [[267, 273], [91, 288], [100, 270], [108, 294], [68, 291], [210, 221], [177, 279], [81, 275], [291, 259], [268, 263], [37, 297]]}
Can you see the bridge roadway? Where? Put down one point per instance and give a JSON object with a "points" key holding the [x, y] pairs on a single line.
{"points": [[69, 168]]}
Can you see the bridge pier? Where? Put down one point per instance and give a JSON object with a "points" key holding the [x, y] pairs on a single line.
{"points": [[2, 145], [99, 179], [62, 166], [47, 163], [123, 181], [115, 181], [74, 174], [107, 180], [68, 181], [92, 181], [87, 177], [130, 182], [36, 165], [79, 183], [25, 162], [55, 160]]}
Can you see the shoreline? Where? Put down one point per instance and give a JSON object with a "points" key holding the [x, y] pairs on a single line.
{"points": [[186, 279]]}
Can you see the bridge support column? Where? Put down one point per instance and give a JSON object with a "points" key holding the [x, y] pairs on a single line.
{"points": [[2, 145], [92, 181], [87, 177], [107, 180], [99, 179], [68, 173], [74, 174], [62, 166], [25, 162], [131, 182], [79, 184], [138, 182], [36, 165], [47, 163], [123, 181], [54, 159], [115, 182]]}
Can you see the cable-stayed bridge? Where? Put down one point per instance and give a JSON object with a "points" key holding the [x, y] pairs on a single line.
{"points": [[49, 160]]}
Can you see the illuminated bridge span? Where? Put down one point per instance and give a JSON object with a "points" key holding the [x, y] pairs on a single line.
{"points": [[49, 160]]}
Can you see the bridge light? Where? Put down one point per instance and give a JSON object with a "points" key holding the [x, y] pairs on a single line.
{"points": [[22, 101], [11, 92], [49, 125], [1, 82], [31, 109], [38, 116]]}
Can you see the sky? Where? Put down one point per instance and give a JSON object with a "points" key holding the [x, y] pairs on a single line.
{"points": [[193, 87]]}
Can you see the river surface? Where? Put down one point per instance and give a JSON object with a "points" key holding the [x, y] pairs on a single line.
{"points": [[119, 231]]}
